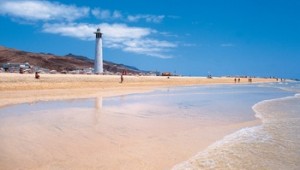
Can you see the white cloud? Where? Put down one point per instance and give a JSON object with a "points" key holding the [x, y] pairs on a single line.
{"points": [[103, 14], [147, 18], [123, 31], [80, 31], [120, 36], [85, 31], [34, 10], [149, 47], [42, 10], [106, 14], [117, 14], [58, 18], [113, 15], [227, 45]]}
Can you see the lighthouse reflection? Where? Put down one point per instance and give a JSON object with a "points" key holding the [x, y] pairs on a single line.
{"points": [[117, 100], [98, 109], [98, 103], [109, 106]]}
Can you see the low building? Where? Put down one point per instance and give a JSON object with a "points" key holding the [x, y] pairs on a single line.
{"points": [[166, 74], [15, 67]]}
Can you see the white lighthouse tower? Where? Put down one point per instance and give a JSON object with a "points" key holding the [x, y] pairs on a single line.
{"points": [[98, 67]]}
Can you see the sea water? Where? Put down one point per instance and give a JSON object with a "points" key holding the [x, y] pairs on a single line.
{"points": [[95, 132], [273, 145]]}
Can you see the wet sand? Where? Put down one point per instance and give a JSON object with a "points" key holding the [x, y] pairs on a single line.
{"points": [[98, 138]]}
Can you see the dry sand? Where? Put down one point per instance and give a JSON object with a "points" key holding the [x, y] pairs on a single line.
{"points": [[21, 88], [101, 140]]}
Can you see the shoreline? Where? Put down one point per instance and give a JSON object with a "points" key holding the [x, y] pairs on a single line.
{"points": [[267, 115], [23, 88]]}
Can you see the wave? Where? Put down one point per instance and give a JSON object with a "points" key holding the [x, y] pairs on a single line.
{"points": [[272, 145], [291, 86]]}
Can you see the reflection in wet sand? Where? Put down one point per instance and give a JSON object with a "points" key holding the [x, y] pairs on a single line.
{"points": [[98, 109], [98, 103]]}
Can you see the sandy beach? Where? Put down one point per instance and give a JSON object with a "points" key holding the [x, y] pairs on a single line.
{"points": [[19, 88], [113, 142], [149, 85]]}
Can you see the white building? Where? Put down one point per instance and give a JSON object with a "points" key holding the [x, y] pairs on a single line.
{"points": [[98, 67]]}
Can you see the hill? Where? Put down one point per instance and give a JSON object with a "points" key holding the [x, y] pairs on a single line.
{"points": [[50, 61]]}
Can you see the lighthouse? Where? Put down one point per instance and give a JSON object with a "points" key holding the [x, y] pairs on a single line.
{"points": [[98, 67]]}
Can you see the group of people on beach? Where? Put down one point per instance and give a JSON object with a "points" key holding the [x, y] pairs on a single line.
{"points": [[238, 80], [36, 75]]}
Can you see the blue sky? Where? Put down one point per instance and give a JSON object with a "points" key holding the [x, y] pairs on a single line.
{"points": [[193, 37]]}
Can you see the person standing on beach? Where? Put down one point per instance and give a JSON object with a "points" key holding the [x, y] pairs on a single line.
{"points": [[234, 80], [37, 76], [239, 80], [122, 79]]}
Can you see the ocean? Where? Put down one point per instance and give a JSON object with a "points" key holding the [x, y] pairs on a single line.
{"points": [[273, 145], [162, 129]]}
